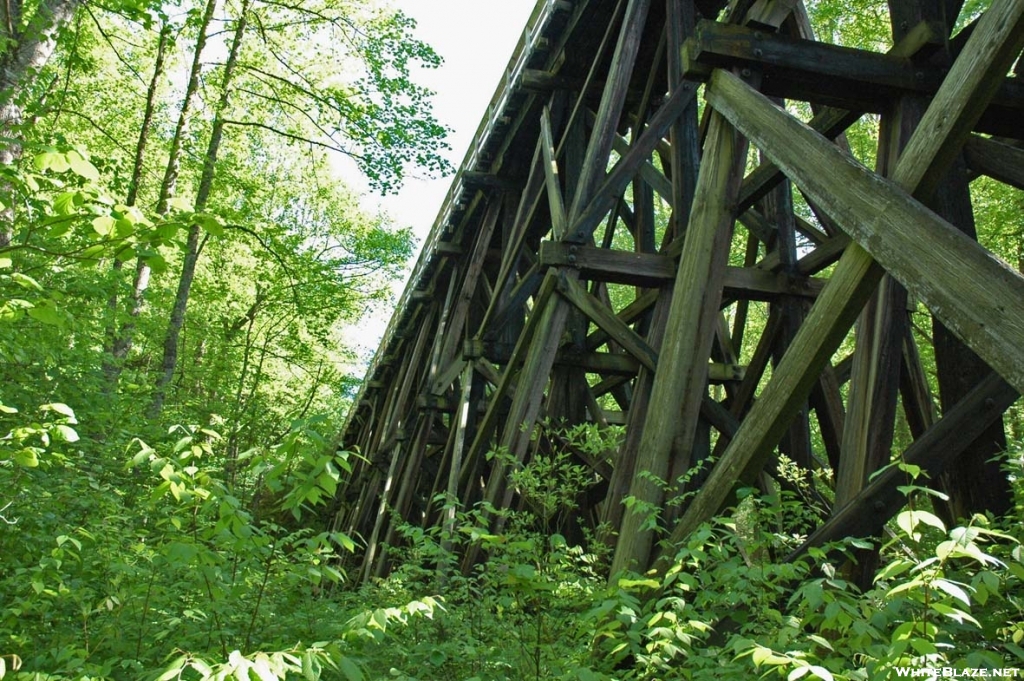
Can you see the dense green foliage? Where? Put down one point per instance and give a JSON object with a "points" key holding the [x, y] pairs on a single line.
{"points": [[730, 607], [179, 531]]}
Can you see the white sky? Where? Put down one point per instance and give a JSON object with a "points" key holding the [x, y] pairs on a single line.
{"points": [[476, 39]]}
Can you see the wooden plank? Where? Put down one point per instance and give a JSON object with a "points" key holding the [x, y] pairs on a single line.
{"points": [[494, 406], [629, 314], [514, 303], [852, 283], [965, 93], [446, 377], [974, 293], [874, 383], [650, 270], [873, 75], [456, 326], [996, 159], [836, 75], [610, 110], [651, 175], [514, 241], [684, 154], [604, 363], [681, 379], [830, 122], [458, 447], [556, 206], [629, 451]]}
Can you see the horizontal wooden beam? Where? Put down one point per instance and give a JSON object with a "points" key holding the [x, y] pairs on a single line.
{"points": [[650, 270], [995, 159], [831, 74]]}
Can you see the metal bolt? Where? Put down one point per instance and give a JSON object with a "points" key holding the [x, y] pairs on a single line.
{"points": [[745, 73], [758, 52]]}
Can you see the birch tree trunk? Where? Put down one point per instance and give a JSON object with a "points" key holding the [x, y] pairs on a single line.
{"points": [[27, 47]]}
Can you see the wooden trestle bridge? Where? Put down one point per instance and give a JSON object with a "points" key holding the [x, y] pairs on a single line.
{"points": [[660, 225]]}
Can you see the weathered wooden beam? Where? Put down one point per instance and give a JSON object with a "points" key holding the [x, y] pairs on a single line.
{"points": [[605, 197], [996, 159], [528, 200], [495, 406], [830, 74], [455, 328], [830, 122], [681, 380], [684, 153], [610, 111], [556, 206], [514, 302], [651, 175], [651, 270]]}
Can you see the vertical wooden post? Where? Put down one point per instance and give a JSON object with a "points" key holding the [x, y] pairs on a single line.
{"points": [[681, 379]]}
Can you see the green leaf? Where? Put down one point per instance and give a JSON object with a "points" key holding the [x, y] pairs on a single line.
{"points": [[25, 281], [26, 457], [310, 668], [211, 223], [60, 408], [179, 203], [5, 263], [64, 204], [44, 160], [47, 314], [893, 569], [638, 584], [104, 225], [953, 590], [350, 669], [345, 541], [66, 433], [82, 167], [91, 252], [157, 264]]}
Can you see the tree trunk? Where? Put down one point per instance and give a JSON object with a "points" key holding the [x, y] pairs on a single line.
{"points": [[25, 52], [119, 342], [188, 269]]}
